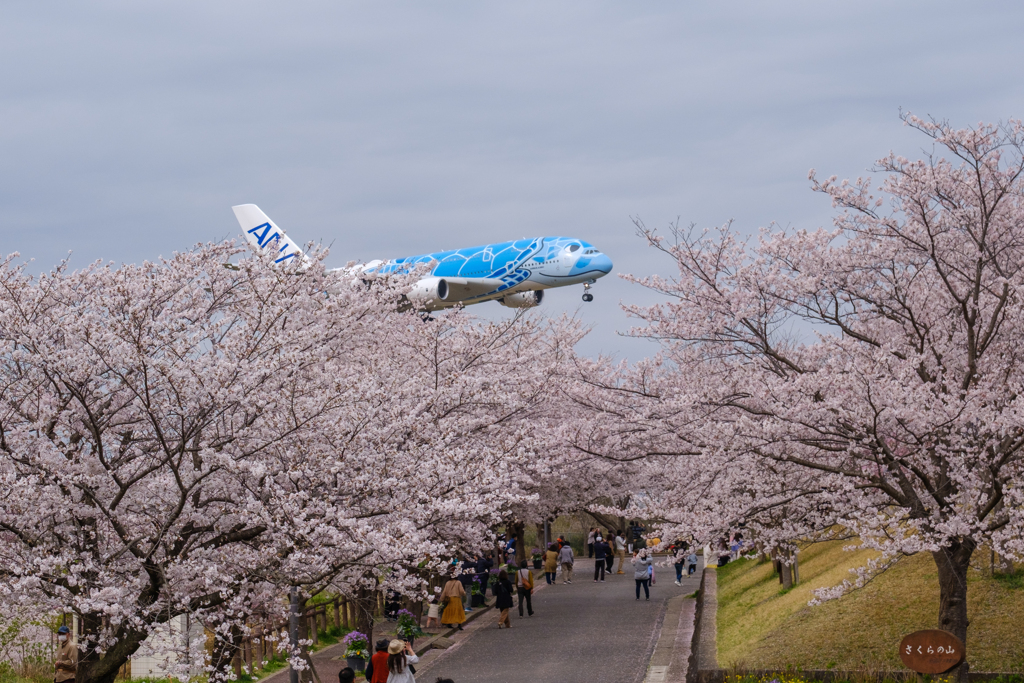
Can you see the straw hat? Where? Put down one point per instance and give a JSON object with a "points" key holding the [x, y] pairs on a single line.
{"points": [[396, 647]]}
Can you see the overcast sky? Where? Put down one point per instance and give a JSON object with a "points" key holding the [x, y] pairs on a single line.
{"points": [[128, 129]]}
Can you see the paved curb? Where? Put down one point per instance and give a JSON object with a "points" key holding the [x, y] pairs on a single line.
{"points": [[707, 649], [429, 642], [669, 661]]}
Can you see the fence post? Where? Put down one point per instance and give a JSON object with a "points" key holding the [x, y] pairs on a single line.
{"points": [[337, 614]]}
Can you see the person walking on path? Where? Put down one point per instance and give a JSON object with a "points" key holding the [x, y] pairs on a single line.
{"points": [[566, 559], [550, 563], [451, 598], [400, 657], [610, 557], [377, 668], [642, 572], [524, 586], [620, 551], [466, 577], [691, 560], [590, 541], [503, 598], [67, 657], [601, 551], [679, 560]]}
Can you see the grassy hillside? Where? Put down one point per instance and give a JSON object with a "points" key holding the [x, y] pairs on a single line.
{"points": [[760, 626]]}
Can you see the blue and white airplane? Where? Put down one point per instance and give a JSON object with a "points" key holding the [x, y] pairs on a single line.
{"points": [[513, 273]]}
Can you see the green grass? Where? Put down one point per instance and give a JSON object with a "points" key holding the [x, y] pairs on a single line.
{"points": [[763, 627]]}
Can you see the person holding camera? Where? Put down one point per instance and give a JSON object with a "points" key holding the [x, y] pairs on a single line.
{"points": [[401, 657]]}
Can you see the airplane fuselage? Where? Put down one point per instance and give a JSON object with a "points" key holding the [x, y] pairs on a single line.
{"points": [[504, 269], [515, 273]]}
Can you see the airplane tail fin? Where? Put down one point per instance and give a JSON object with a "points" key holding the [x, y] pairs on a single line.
{"points": [[264, 235]]}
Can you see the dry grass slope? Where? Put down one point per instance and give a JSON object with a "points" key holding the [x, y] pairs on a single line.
{"points": [[759, 626]]}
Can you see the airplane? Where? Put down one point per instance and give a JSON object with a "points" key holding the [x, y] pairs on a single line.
{"points": [[513, 273]]}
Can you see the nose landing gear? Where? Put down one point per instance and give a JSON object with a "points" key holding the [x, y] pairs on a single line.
{"points": [[587, 296]]}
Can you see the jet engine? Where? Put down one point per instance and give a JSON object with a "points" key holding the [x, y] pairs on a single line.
{"points": [[522, 299], [429, 290]]}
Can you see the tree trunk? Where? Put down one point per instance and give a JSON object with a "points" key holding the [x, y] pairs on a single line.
{"points": [[225, 647], [787, 575], [92, 668], [304, 675], [365, 602], [795, 567], [952, 562]]}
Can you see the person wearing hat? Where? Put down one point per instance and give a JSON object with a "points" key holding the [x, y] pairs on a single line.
{"points": [[67, 657], [377, 668], [401, 657]]}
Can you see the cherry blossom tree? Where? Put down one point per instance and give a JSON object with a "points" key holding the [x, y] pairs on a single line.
{"points": [[865, 378], [185, 438]]}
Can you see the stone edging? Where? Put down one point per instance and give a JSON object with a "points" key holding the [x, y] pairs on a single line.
{"points": [[428, 643], [704, 646]]}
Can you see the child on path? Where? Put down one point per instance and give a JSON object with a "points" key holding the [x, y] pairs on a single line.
{"points": [[434, 612], [691, 560]]}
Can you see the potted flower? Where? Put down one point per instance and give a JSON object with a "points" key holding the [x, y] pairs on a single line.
{"points": [[476, 595], [357, 650], [537, 557], [408, 626]]}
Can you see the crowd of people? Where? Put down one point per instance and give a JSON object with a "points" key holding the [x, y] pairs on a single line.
{"points": [[394, 661]]}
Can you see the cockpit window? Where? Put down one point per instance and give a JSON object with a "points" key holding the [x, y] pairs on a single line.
{"points": [[574, 247]]}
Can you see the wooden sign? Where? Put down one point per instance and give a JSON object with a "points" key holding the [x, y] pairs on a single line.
{"points": [[931, 652]]}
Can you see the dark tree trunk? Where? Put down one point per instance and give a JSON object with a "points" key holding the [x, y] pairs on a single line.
{"points": [[92, 668], [787, 574], [365, 601], [952, 562], [225, 647], [304, 676]]}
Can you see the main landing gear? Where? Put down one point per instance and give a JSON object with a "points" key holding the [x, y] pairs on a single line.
{"points": [[587, 296]]}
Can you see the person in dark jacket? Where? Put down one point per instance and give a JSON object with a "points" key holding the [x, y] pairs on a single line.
{"points": [[503, 593], [377, 668], [466, 579], [483, 571]]}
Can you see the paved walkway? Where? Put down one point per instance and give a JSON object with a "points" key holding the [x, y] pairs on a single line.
{"points": [[585, 632]]}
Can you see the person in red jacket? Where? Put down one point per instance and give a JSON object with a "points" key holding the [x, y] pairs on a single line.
{"points": [[377, 667]]}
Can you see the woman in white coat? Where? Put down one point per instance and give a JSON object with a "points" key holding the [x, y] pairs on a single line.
{"points": [[400, 658]]}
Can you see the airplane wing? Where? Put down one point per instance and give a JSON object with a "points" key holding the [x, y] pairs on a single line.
{"points": [[263, 234], [466, 288]]}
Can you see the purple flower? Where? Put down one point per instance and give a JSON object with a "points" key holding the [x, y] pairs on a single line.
{"points": [[354, 637]]}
